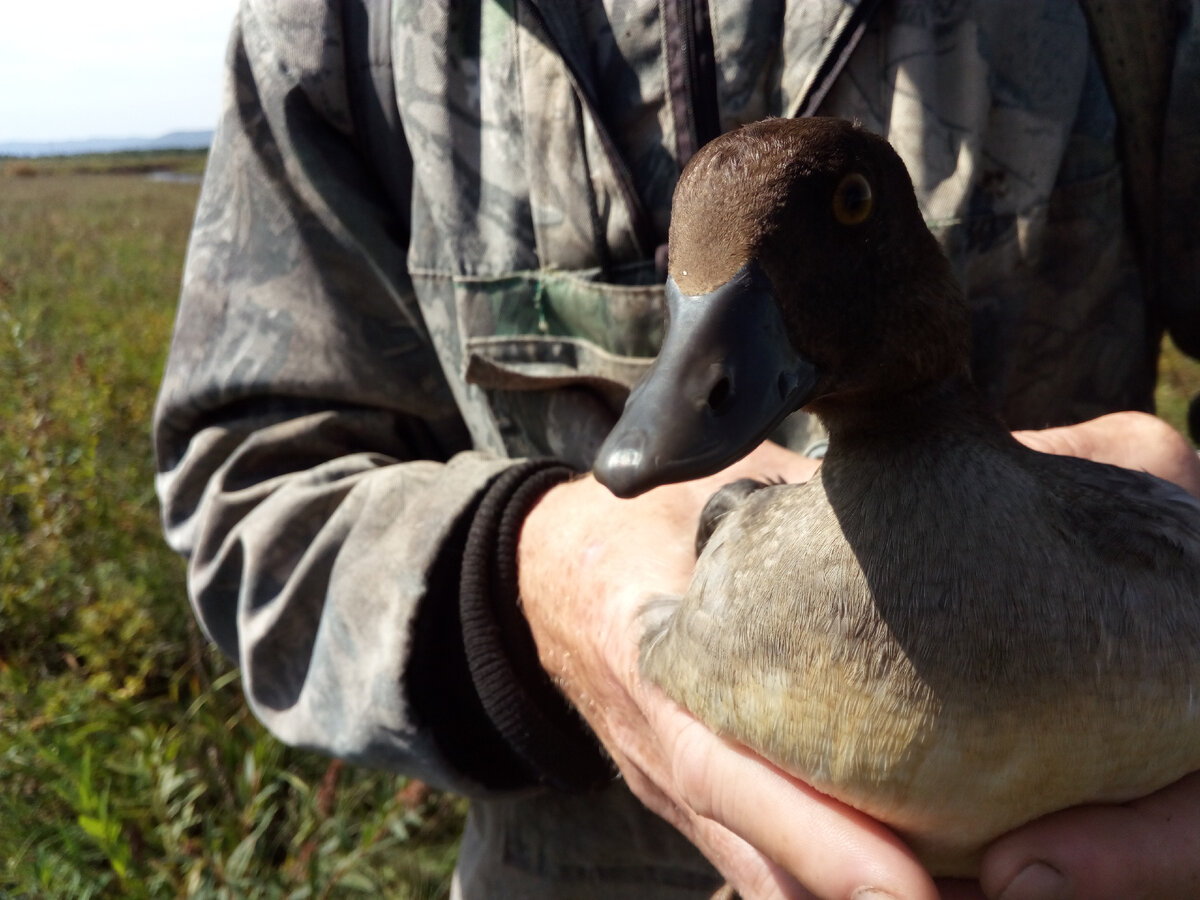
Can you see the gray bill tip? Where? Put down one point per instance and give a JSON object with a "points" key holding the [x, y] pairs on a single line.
{"points": [[622, 467]]}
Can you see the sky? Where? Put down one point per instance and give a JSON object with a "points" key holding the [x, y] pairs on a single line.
{"points": [[76, 69]]}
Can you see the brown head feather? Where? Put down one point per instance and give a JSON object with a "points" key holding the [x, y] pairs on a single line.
{"points": [[873, 304]]}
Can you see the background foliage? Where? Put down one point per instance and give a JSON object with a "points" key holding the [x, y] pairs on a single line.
{"points": [[129, 764]]}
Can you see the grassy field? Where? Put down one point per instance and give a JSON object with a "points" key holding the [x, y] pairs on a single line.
{"points": [[129, 765], [142, 162]]}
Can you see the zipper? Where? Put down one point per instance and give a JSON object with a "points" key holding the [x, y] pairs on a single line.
{"points": [[691, 75]]}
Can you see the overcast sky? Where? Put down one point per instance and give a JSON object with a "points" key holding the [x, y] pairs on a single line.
{"points": [[123, 68]]}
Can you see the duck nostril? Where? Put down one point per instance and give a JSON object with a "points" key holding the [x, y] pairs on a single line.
{"points": [[720, 395]]}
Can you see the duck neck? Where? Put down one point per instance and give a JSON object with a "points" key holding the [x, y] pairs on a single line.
{"points": [[908, 420]]}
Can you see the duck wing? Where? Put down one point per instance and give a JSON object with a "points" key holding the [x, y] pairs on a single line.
{"points": [[1125, 515], [1017, 636]]}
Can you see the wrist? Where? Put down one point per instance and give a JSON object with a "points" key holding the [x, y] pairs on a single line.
{"points": [[517, 695]]}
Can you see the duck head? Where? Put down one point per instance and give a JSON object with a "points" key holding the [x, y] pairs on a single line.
{"points": [[801, 275]]}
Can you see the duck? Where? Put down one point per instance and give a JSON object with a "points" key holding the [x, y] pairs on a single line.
{"points": [[943, 628]]}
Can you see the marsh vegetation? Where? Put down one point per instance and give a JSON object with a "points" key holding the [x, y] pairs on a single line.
{"points": [[129, 764]]}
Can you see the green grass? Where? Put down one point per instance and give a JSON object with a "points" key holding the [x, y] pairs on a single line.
{"points": [[129, 764], [137, 162], [1178, 383]]}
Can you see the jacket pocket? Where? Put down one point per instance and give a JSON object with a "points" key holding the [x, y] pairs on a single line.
{"points": [[542, 330]]}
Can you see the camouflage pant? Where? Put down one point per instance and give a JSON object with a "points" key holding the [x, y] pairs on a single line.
{"points": [[580, 847]]}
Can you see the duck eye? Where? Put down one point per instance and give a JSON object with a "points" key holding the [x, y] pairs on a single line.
{"points": [[852, 200]]}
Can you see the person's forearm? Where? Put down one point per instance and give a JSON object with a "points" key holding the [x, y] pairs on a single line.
{"points": [[312, 460], [322, 582]]}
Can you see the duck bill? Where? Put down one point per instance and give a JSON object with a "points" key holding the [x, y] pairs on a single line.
{"points": [[725, 377]]}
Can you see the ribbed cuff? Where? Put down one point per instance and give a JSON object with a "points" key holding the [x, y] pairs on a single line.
{"points": [[544, 731]]}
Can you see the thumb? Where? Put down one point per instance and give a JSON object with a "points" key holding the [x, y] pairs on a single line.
{"points": [[1146, 848]]}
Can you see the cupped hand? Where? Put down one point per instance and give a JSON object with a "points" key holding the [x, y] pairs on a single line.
{"points": [[588, 562]]}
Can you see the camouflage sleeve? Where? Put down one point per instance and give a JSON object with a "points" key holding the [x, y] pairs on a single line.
{"points": [[312, 464]]}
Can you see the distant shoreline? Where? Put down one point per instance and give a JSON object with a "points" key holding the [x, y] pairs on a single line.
{"points": [[176, 140], [157, 165]]}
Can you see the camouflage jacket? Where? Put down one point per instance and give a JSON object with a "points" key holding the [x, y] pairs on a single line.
{"points": [[427, 249]]}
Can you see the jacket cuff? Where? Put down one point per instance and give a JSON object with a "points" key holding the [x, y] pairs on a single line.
{"points": [[543, 730]]}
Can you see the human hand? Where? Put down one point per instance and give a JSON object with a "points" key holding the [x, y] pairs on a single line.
{"points": [[1148, 847], [1134, 440], [587, 563]]}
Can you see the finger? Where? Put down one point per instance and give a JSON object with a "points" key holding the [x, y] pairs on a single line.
{"points": [[753, 875], [749, 871], [1146, 848], [834, 851], [770, 461], [1131, 439]]}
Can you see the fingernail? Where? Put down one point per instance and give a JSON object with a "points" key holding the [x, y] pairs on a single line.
{"points": [[872, 893], [1038, 881]]}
